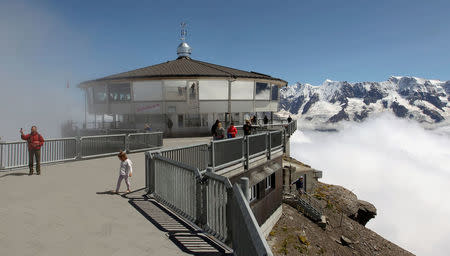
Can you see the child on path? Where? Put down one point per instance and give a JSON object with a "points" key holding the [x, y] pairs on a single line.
{"points": [[126, 170]]}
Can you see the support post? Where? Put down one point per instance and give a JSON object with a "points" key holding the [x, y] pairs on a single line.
{"points": [[78, 148], [2, 165], [245, 185]]}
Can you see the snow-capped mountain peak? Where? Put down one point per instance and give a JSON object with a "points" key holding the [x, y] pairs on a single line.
{"points": [[424, 100]]}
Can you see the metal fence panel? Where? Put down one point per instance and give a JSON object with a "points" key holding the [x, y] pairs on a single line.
{"points": [[102, 145], [276, 139], [15, 154], [257, 144], [247, 237], [227, 152], [194, 155], [142, 141], [217, 190], [176, 186]]}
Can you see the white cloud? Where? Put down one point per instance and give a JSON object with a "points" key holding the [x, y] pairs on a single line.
{"points": [[403, 169], [38, 54]]}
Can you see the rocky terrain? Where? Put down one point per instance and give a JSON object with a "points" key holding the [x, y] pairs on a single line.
{"points": [[327, 105], [344, 234]]}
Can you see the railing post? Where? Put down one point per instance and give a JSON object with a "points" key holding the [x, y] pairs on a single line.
{"points": [[246, 151], [213, 156], [2, 165], [269, 145], [78, 148], [150, 171], [245, 185], [229, 216], [127, 143]]}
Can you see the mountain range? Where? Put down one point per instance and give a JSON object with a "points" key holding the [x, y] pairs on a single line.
{"points": [[327, 106]]}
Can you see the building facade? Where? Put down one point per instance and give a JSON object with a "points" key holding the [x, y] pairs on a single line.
{"points": [[181, 97]]}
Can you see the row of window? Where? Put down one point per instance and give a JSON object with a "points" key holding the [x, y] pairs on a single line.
{"points": [[268, 183], [180, 91]]}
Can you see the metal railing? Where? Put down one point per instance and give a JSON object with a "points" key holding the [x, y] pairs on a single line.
{"points": [[227, 152], [196, 155], [208, 200], [217, 190], [15, 154], [247, 238], [102, 145], [142, 141], [176, 186]]}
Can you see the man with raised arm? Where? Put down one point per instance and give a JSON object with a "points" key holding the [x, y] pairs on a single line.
{"points": [[35, 142]]}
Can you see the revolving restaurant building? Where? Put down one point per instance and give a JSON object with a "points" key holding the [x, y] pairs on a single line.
{"points": [[185, 94]]}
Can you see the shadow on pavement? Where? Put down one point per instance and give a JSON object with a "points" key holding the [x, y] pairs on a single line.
{"points": [[15, 174], [188, 239]]}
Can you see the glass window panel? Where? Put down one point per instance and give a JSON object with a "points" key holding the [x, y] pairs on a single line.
{"points": [[262, 91], [242, 90], [213, 90], [100, 94], [147, 91], [192, 120], [175, 89], [180, 121], [274, 92], [119, 92]]}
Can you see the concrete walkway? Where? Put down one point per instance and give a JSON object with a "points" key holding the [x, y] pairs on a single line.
{"points": [[67, 210]]}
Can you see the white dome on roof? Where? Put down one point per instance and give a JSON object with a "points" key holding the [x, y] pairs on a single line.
{"points": [[184, 50]]}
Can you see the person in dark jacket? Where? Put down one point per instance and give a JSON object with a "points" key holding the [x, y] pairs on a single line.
{"points": [[247, 128], [214, 128], [266, 120], [289, 119], [254, 119], [35, 142], [299, 185]]}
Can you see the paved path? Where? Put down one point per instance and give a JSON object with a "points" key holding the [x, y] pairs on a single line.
{"points": [[67, 211]]}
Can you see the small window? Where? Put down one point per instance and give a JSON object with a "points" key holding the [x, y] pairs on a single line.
{"points": [[274, 92], [99, 94], [119, 92], [268, 182], [253, 193], [180, 120], [262, 91]]}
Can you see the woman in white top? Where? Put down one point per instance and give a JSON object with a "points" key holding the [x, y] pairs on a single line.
{"points": [[126, 170]]}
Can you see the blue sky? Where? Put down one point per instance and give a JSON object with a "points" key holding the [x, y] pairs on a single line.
{"points": [[306, 41]]}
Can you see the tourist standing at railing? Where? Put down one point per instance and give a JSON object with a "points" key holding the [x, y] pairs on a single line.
{"points": [[147, 128], [125, 171], [247, 128], [265, 120], [35, 142], [220, 132], [214, 128], [254, 120], [289, 119], [232, 131]]}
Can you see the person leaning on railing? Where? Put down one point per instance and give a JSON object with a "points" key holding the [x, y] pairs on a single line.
{"points": [[35, 142], [247, 127]]}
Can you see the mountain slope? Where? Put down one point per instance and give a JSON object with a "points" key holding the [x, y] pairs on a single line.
{"points": [[327, 105]]}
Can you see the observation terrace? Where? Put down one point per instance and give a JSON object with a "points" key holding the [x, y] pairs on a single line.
{"points": [[69, 209]]}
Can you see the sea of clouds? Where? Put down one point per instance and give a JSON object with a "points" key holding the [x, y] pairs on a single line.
{"points": [[397, 165]]}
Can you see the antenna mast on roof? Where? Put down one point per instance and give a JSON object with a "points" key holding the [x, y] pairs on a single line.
{"points": [[183, 31]]}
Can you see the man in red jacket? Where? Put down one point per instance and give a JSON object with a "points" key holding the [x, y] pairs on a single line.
{"points": [[35, 142]]}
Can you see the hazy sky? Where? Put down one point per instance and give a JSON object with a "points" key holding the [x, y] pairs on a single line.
{"points": [[46, 44], [305, 41]]}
